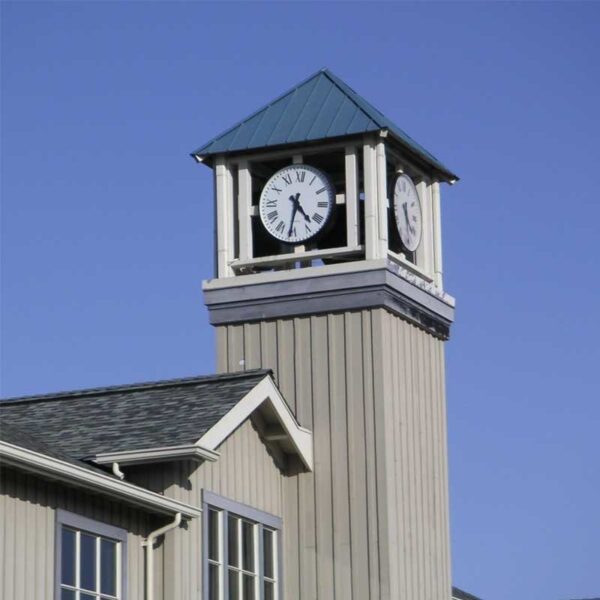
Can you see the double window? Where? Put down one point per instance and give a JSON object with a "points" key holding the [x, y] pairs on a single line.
{"points": [[241, 551], [90, 559]]}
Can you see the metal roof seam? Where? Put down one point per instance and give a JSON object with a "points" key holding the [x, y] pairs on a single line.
{"points": [[290, 135]]}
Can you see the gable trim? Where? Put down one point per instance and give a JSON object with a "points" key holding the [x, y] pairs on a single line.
{"points": [[264, 392]]}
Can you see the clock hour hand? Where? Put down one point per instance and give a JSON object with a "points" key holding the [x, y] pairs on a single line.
{"points": [[410, 227], [301, 210]]}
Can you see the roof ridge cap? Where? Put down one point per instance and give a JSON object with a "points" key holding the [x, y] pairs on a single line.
{"points": [[115, 389]]}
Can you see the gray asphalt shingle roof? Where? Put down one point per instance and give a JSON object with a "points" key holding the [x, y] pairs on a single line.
{"points": [[462, 595], [83, 423], [321, 107]]}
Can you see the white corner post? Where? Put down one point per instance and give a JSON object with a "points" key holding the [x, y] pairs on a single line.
{"points": [[382, 198], [352, 214], [244, 210], [437, 233], [224, 211], [425, 249], [372, 248]]}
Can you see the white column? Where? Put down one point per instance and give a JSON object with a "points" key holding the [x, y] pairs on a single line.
{"points": [[371, 204], [244, 210], [352, 214], [382, 198], [437, 233], [224, 211], [425, 250]]}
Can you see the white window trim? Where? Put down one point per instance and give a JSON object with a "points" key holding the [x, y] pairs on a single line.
{"points": [[212, 500], [79, 523]]}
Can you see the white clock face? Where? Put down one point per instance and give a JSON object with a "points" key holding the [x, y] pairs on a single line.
{"points": [[296, 203], [407, 207]]}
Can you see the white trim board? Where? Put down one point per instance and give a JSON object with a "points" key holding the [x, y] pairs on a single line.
{"points": [[264, 392], [60, 470]]}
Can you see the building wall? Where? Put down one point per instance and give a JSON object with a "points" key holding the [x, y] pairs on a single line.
{"points": [[245, 472], [28, 528], [372, 520]]}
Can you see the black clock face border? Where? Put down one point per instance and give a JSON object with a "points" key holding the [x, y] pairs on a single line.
{"points": [[408, 212], [296, 204]]}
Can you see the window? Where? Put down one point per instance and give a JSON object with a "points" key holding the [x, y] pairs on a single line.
{"points": [[90, 559], [241, 551]]}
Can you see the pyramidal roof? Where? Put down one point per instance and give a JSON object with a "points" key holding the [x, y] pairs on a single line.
{"points": [[321, 107]]}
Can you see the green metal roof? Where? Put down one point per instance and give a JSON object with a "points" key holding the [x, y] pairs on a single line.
{"points": [[321, 107]]}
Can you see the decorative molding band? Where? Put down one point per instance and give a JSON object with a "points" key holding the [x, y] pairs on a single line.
{"points": [[385, 285]]}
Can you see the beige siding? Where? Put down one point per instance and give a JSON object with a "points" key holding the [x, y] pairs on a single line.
{"points": [[245, 472], [28, 527], [372, 520]]}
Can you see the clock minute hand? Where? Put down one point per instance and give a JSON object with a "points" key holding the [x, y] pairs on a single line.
{"points": [[294, 201]]}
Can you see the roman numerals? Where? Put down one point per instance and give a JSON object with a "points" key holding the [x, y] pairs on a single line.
{"points": [[295, 203]]}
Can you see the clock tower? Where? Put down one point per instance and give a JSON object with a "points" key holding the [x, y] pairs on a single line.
{"points": [[329, 272]]}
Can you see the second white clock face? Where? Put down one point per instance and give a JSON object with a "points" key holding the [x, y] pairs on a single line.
{"points": [[407, 207], [296, 203]]}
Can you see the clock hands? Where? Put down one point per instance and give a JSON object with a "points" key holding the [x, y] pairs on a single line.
{"points": [[294, 201], [297, 208], [410, 227]]}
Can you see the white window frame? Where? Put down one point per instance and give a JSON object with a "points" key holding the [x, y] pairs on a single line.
{"points": [[80, 525], [261, 520]]}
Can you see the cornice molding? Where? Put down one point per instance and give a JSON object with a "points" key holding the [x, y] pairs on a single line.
{"points": [[372, 284]]}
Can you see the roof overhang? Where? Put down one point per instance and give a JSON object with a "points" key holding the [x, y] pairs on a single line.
{"points": [[264, 401], [281, 425], [82, 477], [153, 455]]}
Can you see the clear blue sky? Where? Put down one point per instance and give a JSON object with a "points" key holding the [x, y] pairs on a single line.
{"points": [[107, 224]]}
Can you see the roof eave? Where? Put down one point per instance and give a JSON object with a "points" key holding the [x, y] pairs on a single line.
{"points": [[444, 173], [155, 455], [81, 477]]}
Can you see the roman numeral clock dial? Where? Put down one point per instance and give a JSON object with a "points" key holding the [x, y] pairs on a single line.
{"points": [[407, 208], [296, 203]]}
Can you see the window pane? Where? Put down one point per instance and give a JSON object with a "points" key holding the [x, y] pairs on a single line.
{"points": [[249, 587], [248, 546], [68, 557], [87, 597], [269, 590], [213, 582], [213, 535], [234, 585], [67, 595], [87, 571], [108, 567], [233, 545], [269, 568]]}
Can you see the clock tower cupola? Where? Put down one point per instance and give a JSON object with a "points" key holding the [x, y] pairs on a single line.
{"points": [[329, 271]]}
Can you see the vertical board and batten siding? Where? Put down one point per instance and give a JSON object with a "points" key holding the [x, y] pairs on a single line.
{"points": [[245, 472], [28, 507], [371, 521]]}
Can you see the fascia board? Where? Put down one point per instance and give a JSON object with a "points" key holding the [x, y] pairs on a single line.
{"points": [[153, 455], [264, 391], [85, 478]]}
